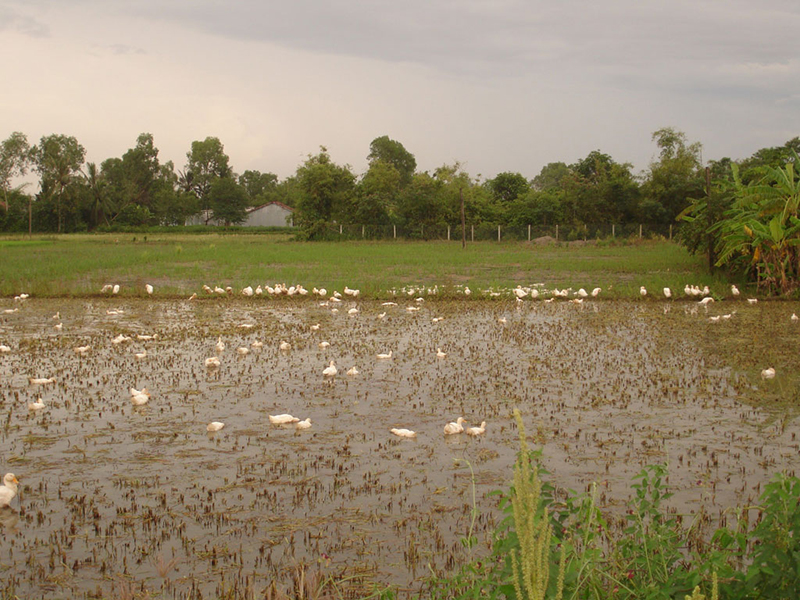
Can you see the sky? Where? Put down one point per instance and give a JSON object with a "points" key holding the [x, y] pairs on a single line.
{"points": [[496, 85]]}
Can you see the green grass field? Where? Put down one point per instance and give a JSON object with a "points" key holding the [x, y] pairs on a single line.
{"points": [[179, 265]]}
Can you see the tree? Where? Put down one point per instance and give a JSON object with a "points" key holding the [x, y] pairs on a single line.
{"points": [[677, 175], [388, 150], [15, 156], [258, 186], [375, 202], [58, 159], [228, 201], [98, 198], [326, 190], [206, 162], [756, 166], [610, 192], [507, 187], [420, 203], [551, 177], [141, 171], [15, 217]]}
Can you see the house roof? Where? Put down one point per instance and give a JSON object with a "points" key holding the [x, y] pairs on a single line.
{"points": [[279, 204]]}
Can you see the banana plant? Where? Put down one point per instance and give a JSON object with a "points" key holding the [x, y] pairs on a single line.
{"points": [[761, 230]]}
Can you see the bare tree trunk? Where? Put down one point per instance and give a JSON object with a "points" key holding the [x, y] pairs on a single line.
{"points": [[463, 221], [712, 255]]}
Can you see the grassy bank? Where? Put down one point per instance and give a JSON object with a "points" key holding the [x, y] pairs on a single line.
{"points": [[179, 265], [555, 544]]}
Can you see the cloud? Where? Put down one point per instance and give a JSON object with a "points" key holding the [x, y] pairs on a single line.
{"points": [[11, 20], [120, 50], [497, 84], [502, 37]]}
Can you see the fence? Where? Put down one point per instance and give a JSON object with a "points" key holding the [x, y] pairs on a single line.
{"points": [[491, 232]]}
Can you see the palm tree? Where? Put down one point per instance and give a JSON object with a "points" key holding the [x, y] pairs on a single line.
{"points": [[100, 201]]}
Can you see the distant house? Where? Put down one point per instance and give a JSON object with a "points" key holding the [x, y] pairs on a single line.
{"points": [[271, 214]]}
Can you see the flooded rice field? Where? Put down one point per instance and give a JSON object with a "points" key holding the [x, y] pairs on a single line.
{"points": [[133, 499]]}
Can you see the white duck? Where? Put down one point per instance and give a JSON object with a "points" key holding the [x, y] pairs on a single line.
{"points": [[768, 373], [477, 430], [242, 351], [38, 405], [352, 371], [149, 289], [330, 370], [285, 346], [212, 362], [304, 424], [643, 291], [220, 344], [407, 433], [282, 419], [385, 356], [440, 353], [215, 426], [667, 293], [140, 397], [40, 380], [455, 427], [9, 489]]}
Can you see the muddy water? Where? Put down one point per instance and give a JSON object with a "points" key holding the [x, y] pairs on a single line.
{"points": [[117, 498]]}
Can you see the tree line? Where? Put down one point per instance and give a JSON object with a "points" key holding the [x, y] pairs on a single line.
{"points": [[138, 190]]}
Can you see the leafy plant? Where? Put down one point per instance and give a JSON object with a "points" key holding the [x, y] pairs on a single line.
{"points": [[761, 230], [530, 561]]}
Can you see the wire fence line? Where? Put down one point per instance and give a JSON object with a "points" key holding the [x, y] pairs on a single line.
{"points": [[490, 232]]}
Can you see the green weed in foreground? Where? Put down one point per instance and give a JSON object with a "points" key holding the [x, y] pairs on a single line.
{"points": [[653, 556], [178, 265]]}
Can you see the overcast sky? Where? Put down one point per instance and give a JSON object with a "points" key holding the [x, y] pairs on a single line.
{"points": [[498, 85]]}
